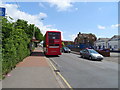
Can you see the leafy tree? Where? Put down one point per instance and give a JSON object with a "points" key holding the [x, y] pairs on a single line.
{"points": [[21, 24], [30, 30], [63, 44], [6, 28], [38, 34]]}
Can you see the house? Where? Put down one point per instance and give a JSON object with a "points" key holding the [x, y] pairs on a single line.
{"points": [[114, 43], [83, 38], [101, 43]]}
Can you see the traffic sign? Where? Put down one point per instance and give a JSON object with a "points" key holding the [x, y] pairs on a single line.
{"points": [[2, 11]]}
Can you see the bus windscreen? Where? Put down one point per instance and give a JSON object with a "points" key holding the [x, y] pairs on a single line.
{"points": [[54, 35]]}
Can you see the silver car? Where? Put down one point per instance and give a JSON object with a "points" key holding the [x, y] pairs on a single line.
{"points": [[66, 49], [91, 54]]}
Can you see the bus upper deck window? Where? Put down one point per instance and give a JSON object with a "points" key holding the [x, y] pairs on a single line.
{"points": [[53, 37]]}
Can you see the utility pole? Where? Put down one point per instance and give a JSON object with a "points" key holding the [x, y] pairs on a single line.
{"points": [[33, 34], [33, 38]]}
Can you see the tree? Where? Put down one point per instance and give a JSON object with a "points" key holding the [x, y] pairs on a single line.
{"points": [[38, 34], [63, 44]]}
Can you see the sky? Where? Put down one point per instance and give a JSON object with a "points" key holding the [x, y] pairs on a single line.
{"points": [[99, 18]]}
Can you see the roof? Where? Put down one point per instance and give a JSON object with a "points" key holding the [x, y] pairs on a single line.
{"points": [[115, 37], [102, 39], [34, 40], [52, 31]]}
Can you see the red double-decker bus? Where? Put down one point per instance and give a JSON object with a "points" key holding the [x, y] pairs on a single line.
{"points": [[52, 43]]}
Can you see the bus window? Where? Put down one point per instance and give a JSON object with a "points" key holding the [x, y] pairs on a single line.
{"points": [[54, 45], [54, 35]]}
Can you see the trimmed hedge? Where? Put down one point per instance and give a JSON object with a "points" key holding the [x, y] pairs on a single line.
{"points": [[15, 43]]}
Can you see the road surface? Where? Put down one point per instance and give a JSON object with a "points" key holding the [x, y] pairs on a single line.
{"points": [[83, 73]]}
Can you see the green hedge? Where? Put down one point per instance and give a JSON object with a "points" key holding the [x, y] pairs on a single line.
{"points": [[15, 49], [15, 42]]}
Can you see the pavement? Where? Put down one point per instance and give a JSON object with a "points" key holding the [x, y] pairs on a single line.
{"points": [[33, 72]]}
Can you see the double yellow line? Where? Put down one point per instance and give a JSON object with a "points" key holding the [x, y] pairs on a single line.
{"points": [[61, 77]]}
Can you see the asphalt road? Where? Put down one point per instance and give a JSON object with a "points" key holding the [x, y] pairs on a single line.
{"points": [[83, 73]]}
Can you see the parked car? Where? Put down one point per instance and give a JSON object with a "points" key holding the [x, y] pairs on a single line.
{"points": [[91, 54], [66, 49]]}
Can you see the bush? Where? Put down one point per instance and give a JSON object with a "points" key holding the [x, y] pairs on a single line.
{"points": [[15, 42]]}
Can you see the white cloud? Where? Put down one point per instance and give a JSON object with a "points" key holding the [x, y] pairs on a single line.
{"points": [[72, 37], [49, 26], [62, 5], [115, 26], [0, 2], [112, 27], [76, 9], [42, 15], [101, 27], [13, 11], [41, 5]]}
